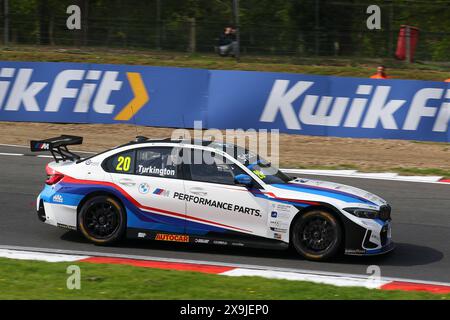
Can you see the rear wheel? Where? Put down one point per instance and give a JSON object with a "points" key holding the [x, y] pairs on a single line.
{"points": [[317, 235], [102, 220]]}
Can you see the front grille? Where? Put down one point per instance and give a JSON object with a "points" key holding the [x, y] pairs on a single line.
{"points": [[385, 212]]}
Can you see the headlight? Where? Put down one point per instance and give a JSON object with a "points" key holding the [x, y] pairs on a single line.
{"points": [[363, 213]]}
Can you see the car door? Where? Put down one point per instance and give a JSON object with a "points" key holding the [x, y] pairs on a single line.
{"points": [[150, 177], [215, 205]]}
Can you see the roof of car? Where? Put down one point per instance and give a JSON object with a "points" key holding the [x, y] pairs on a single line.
{"points": [[142, 139]]}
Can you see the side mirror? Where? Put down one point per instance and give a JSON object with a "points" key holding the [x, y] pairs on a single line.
{"points": [[243, 179]]}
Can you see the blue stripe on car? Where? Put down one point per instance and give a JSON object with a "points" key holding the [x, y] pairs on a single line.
{"points": [[331, 193]]}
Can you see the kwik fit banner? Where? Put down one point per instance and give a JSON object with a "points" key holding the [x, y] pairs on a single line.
{"points": [[176, 97], [101, 93]]}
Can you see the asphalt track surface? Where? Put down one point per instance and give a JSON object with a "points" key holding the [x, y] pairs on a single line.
{"points": [[421, 228]]}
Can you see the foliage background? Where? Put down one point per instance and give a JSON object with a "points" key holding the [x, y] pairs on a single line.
{"points": [[273, 27]]}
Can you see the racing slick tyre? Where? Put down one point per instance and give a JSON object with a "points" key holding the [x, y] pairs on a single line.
{"points": [[102, 220], [317, 235]]}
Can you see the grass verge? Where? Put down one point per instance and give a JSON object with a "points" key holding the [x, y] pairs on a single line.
{"points": [[42, 280], [401, 171], [347, 67]]}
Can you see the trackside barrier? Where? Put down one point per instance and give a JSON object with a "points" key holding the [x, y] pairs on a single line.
{"points": [[176, 97]]}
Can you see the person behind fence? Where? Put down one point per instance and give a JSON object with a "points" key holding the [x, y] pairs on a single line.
{"points": [[381, 73], [227, 42]]}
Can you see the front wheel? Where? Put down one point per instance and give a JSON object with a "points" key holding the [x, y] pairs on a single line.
{"points": [[102, 220], [317, 235]]}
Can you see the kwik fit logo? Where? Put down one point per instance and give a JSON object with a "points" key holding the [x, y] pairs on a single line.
{"points": [[19, 92], [368, 107]]}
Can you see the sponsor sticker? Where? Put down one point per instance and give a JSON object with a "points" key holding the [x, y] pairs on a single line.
{"points": [[355, 251], [65, 226], [42, 146], [278, 224], [283, 211], [144, 188], [58, 198], [161, 192], [220, 242], [172, 237], [237, 244], [89, 162], [198, 240]]}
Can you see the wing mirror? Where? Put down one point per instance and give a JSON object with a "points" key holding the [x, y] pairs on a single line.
{"points": [[243, 179]]}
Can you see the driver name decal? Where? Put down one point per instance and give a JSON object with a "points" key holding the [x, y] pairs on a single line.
{"points": [[152, 170]]}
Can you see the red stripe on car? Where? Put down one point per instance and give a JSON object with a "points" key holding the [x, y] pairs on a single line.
{"points": [[137, 204]]}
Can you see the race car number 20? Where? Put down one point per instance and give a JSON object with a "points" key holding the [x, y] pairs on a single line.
{"points": [[123, 163]]}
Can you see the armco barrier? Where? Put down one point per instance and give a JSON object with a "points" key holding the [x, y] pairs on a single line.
{"points": [[176, 97]]}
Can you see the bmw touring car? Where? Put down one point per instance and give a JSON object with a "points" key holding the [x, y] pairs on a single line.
{"points": [[209, 193]]}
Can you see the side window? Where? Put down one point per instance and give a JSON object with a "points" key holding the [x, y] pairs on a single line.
{"points": [[157, 162], [211, 168], [121, 163]]}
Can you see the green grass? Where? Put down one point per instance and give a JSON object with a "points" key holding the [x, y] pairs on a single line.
{"points": [[42, 280], [349, 67], [423, 172]]}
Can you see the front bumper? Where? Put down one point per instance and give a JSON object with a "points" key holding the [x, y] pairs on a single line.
{"points": [[367, 236]]}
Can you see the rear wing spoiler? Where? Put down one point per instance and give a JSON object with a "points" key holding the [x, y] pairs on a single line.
{"points": [[58, 147]]}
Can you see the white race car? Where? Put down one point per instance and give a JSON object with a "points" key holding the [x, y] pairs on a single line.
{"points": [[208, 193]]}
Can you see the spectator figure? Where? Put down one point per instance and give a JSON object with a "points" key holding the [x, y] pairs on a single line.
{"points": [[447, 80], [227, 42], [381, 73]]}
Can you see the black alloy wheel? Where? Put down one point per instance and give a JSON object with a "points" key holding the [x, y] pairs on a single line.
{"points": [[102, 220], [317, 235]]}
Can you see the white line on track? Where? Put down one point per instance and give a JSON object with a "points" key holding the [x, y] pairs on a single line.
{"points": [[43, 156], [11, 154], [389, 176], [213, 263], [38, 256]]}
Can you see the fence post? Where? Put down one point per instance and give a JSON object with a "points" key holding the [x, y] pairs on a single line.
{"points": [[192, 35], [158, 24], [6, 22], [316, 26], [238, 29], [390, 29], [408, 44]]}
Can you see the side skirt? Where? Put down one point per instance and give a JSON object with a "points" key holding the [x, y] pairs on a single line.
{"points": [[210, 239]]}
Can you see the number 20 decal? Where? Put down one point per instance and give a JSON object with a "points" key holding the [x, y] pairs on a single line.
{"points": [[123, 163]]}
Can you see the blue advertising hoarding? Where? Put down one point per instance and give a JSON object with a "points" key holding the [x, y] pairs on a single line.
{"points": [[176, 97], [100, 93], [330, 106]]}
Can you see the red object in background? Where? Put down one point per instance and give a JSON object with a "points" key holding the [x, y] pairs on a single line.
{"points": [[402, 46]]}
